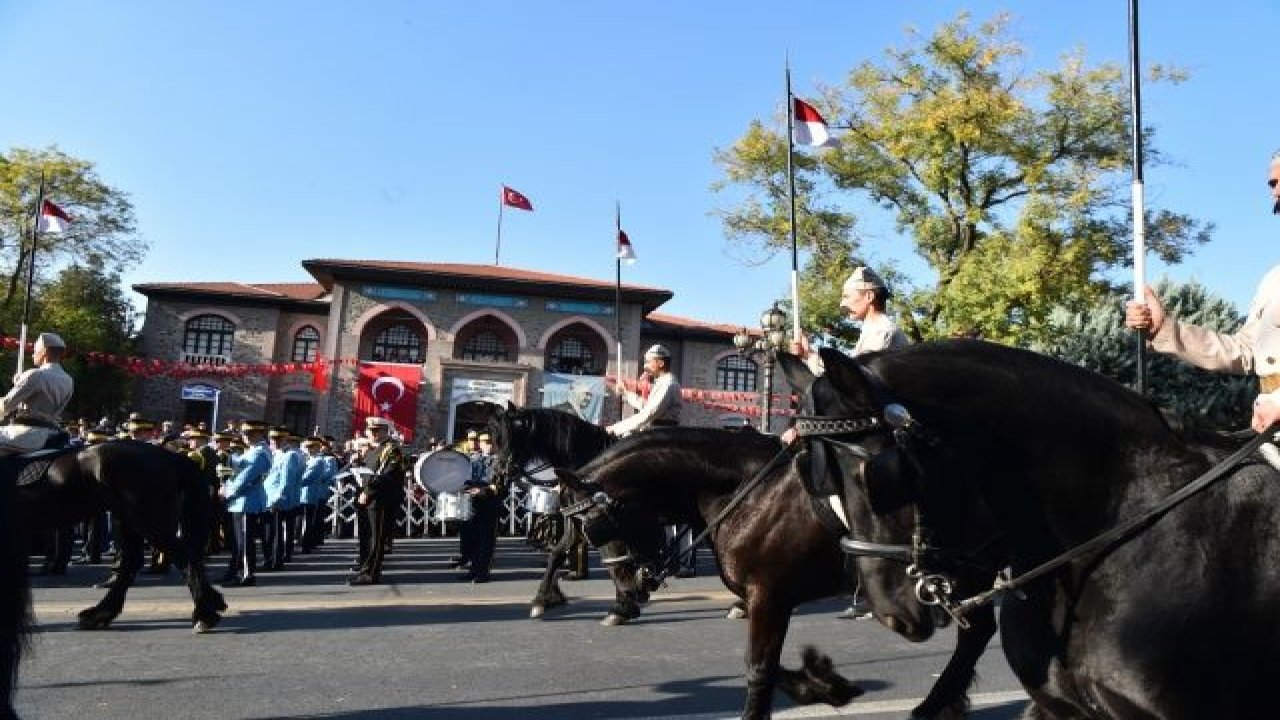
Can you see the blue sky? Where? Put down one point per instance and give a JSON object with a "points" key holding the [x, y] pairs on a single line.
{"points": [[253, 135]]}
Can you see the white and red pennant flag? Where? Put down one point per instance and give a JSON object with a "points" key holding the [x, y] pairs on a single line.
{"points": [[515, 199], [52, 218], [626, 253], [810, 128]]}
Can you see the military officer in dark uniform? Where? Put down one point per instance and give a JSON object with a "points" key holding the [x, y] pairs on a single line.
{"points": [[379, 500], [204, 458], [480, 533]]}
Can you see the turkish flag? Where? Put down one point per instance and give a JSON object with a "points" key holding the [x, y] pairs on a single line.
{"points": [[388, 390], [515, 199]]}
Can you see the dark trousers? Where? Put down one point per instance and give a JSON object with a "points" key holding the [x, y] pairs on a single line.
{"points": [[374, 525], [58, 552], [277, 538], [478, 537], [244, 561], [312, 533], [95, 537]]}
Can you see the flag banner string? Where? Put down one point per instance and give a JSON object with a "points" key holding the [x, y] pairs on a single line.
{"points": [[736, 401]]}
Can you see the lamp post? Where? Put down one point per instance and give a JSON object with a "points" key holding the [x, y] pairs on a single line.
{"points": [[773, 336]]}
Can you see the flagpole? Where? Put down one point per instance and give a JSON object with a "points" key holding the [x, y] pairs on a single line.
{"points": [[1139, 210], [791, 196], [497, 248], [617, 295], [31, 274]]}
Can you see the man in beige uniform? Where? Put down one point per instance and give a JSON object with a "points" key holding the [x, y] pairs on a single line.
{"points": [[1254, 348], [34, 406], [863, 299], [662, 407]]}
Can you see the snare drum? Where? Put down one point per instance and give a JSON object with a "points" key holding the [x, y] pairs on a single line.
{"points": [[542, 500], [454, 506]]}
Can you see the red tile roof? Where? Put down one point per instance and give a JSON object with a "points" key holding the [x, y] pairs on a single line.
{"points": [[265, 291], [495, 272], [691, 324]]}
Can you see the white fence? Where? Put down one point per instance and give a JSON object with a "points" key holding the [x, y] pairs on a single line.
{"points": [[418, 516]]}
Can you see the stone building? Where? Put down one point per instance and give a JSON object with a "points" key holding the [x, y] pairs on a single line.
{"points": [[452, 341]]}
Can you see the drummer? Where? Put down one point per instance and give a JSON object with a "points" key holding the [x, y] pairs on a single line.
{"points": [[478, 536]]}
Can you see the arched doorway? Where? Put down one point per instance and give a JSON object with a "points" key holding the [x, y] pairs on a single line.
{"points": [[474, 415]]}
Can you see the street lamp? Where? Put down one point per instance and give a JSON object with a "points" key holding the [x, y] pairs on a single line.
{"points": [[773, 324]]}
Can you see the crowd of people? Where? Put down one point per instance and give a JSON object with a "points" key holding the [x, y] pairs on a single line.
{"points": [[271, 490]]}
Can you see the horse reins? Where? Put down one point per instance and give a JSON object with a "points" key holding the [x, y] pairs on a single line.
{"points": [[1119, 532]]}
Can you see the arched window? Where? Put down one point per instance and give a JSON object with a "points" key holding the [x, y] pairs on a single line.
{"points": [[486, 339], [735, 372], [398, 343], [576, 350], [207, 340], [306, 344]]}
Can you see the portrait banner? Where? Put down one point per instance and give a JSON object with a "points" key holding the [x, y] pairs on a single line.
{"points": [[388, 390], [581, 395]]}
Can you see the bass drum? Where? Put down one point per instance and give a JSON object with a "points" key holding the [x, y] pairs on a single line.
{"points": [[443, 471]]}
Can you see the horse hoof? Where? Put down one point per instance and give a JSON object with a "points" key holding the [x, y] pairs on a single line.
{"points": [[613, 620], [735, 613], [201, 628], [537, 611], [93, 623]]}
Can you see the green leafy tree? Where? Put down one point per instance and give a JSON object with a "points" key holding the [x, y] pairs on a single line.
{"points": [[101, 235], [1011, 184], [1095, 338]]}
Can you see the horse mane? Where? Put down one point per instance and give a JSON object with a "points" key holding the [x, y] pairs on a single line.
{"points": [[1030, 387], [560, 438], [701, 445]]}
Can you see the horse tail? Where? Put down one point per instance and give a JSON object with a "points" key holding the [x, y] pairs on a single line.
{"points": [[15, 603]]}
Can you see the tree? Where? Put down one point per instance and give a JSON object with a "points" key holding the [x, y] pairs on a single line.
{"points": [[1096, 338], [1012, 185], [88, 308], [102, 234]]}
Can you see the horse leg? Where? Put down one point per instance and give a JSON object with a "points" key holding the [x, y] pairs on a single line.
{"points": [[737, 611], [815, 682], [549, 593], [188, 553], [949, 697], [123, 572]]}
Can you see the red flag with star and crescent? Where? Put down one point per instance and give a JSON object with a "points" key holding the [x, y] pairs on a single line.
{"points": [[388, 390], [515, 199]]}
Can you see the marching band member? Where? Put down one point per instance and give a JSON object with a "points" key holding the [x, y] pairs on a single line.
{"points": [[247, 499], [379, 499], [317, 476], [478, 535], [205, 458], [281, 490]]}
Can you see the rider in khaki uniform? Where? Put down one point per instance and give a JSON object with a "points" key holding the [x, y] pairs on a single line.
{"points": [[1253, 349], [34, 406]]}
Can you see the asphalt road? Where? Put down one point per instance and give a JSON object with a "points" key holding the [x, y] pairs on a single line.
{"points": [[301, 644]]}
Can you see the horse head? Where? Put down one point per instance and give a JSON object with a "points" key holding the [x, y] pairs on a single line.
{"points": [[854, 446]]}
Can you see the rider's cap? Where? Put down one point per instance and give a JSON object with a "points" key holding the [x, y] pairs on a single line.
{"points": [[864, 278], [658, 351], [50, 340], [473, 435], [373, 422]]}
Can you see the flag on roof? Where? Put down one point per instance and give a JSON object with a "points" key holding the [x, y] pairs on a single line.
{"points": [[515, 199]]}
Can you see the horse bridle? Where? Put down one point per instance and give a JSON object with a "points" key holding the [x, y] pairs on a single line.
{"points": [[847, 434]]}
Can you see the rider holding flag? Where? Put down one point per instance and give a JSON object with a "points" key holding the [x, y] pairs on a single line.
{"points": [[1253, 349], [34, 406]]}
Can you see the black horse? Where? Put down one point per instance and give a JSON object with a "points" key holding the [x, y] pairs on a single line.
{"points": [[773, 550], [1176, 620], [541, 436], [153, 494], [15, 598]]}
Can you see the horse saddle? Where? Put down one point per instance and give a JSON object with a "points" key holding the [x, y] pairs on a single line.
{"points": [[32, 466]]}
